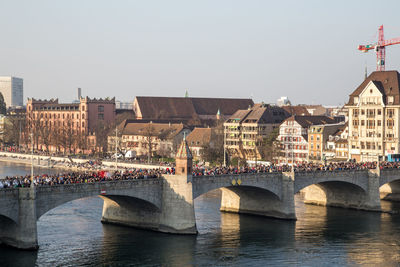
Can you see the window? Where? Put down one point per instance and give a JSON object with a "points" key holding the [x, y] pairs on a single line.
{"points": [[101, 108], [390, 99], [101, 116], [390, 113], [390, 123]]}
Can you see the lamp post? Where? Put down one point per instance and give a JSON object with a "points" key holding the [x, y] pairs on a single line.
{"points": [[116, 149], [32, 182], [224, 148]]}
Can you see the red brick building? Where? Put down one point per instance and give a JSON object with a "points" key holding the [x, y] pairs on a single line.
{"points": [[68, 127]]}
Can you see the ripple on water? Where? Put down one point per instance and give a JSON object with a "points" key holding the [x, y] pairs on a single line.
{"points": [[72, 235]]}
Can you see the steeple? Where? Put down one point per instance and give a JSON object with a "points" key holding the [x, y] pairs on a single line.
{"points": [[186, 93], [184, 159]]}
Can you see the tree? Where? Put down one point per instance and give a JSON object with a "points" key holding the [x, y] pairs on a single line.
{"points": [[271, 147], [12, 130], [3, 108], [214, 151], [150, 135], [102, 131]]}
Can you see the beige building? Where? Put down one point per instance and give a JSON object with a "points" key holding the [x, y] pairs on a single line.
{"points": [[144, 138], [374, 109], [245, 130], [318, 137], [197, 139]]}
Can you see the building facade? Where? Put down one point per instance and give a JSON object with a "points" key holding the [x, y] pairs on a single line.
{"points": [[245, 130], [12, 89], [198, 139], [374, 110], [144, 139], [70, 126], [293, 137], [318, 138]]}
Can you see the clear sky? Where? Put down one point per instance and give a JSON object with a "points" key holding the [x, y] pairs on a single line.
{"points": [[306, 50]]}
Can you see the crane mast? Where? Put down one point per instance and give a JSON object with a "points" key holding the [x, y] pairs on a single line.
{"points": [[380, 48]]}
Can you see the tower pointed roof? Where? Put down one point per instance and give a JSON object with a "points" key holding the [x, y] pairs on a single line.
{"points": [[184, 150]]}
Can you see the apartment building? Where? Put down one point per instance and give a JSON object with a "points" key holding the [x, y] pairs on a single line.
{"points": [[12, 89], [70, 126], [245, 130], [148, 138], [318, 137], [374, 110], [293, 137], [198, 139]]}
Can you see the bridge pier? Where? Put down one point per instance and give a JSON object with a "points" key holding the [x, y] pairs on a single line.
{"points": [[22, 233], [176, 213], [391, 191], [346, 194], [256, 201]]}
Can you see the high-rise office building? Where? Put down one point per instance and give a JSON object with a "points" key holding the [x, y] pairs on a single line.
{"points": [[12, 89]]}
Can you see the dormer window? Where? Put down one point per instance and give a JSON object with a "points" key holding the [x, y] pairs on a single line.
{"points": [[356, 100], [390, 99]]}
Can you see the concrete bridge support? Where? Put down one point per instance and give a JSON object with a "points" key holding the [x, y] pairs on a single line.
{"points": [[176, 214], [21, 233], [390, 191], [345, 194], [257, 201]]}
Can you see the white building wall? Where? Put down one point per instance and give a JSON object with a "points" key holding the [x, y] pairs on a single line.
{"points": [[12, 89]]}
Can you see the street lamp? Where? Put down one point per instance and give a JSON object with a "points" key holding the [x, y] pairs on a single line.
{"points": [[32, 182], [116, 148]]}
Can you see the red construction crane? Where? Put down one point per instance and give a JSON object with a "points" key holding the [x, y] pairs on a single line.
{"points": [[379, 48]]}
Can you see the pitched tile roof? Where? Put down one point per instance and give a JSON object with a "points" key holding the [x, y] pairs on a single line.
{"points": [[162, 130], [188, 107], [260, 113], [387, 82], [307, 121], [199, 137], [296, 110]]}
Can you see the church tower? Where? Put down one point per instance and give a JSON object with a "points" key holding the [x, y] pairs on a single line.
{"points": [[184, 159]]}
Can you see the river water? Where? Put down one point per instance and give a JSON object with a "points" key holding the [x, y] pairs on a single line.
{"points": [[72, 235]]}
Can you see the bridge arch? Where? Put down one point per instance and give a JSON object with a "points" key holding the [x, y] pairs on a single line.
{"points": [[258, 194], [336, 194], [389, 184], [357, 178], [204, 184], [123, 194]]}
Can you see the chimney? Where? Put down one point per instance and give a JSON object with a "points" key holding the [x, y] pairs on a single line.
{"points": [[79, 93]]}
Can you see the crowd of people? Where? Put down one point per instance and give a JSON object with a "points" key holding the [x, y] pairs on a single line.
{"points": [[81, 177], [94, 175], [305, 167]]}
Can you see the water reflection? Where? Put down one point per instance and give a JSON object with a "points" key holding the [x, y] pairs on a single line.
{"points": [[72, 235]]}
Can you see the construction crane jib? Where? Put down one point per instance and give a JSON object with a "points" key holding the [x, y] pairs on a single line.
{"points": [[379, 48]]}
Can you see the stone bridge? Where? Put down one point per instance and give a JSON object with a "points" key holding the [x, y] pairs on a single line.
{"points": [[166, 204]]}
